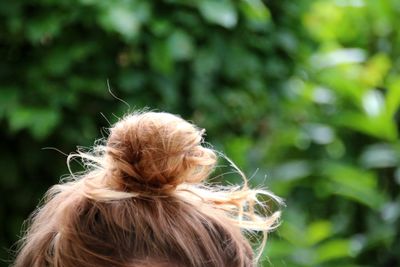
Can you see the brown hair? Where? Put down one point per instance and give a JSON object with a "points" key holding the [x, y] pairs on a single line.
{"points": [[143, 201]]}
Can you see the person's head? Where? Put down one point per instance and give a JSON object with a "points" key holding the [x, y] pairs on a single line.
{"points": [[143, 202]]}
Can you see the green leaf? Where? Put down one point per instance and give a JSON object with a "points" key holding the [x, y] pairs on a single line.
{"points": [[376, 70], [43, 27], [125, 18], [278, 248], [379, 156], [161, 27], [381, 126], [220, 12], [353, 183], [8, 100], [393, 97], [121, 20], [292, 170], [331, 250], [318, 231], [180, 45], [293, 234], [255, 10], [161, 57], [39, 121], [237, 149]]}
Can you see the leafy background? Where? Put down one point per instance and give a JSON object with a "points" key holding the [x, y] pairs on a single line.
{"points": [[303, 95]]}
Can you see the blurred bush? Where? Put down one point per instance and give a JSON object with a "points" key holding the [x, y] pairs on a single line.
{"points": [[302, 94]]}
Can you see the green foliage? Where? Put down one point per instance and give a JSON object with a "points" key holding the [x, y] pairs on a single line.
{"points": [[305, 92]]}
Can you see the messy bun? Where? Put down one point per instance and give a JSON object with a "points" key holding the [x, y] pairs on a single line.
{"points": [[143, 201], [157, 152]]}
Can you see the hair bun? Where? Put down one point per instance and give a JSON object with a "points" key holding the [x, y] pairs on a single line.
{"points": [[156, 151]]}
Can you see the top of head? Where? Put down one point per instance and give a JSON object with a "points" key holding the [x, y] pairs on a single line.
{"points": [[157, 151]]}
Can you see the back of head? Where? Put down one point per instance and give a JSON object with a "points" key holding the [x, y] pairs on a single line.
{"points": [[158, 151], [143, 202]]}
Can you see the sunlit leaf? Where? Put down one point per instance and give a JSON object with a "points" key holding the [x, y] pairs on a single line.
{"points": [[221, 12], [255, 10], [382, 126], [355, 184], [379, 156], [393, 97], [318, 231], [332, 250], [125, 18], [376, 70]]}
